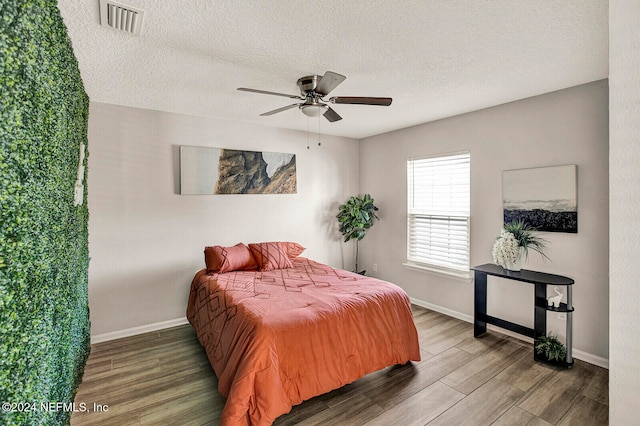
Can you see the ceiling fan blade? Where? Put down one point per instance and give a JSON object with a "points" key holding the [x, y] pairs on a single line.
{"points": [[275, 111], [354, 100], [329, 81], [331, 115], [264, 92]]}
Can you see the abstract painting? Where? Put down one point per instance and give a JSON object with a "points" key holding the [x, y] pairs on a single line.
{"points": [[545, 197], [206, 170]]}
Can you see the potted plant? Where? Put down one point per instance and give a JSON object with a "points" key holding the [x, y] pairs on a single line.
{"points": [[550, 348], [514, 242], [355, 217]]}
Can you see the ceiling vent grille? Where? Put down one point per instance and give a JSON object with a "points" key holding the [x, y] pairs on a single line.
{"points": [[120, 17]]}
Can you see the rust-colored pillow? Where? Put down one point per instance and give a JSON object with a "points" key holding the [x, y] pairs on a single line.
{"points": [[270, 256], [226, 259], [293, 250]]}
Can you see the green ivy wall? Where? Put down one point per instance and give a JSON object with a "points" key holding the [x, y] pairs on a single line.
{"points": [[44, 316]]}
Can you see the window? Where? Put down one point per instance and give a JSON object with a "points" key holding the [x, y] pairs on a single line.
{"points": [[438, 202]]}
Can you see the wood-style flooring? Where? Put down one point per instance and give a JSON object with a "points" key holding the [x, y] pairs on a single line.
{"points": [[164, 378]]}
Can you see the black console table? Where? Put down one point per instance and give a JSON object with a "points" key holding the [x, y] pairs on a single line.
{"points": [[540, 280]]}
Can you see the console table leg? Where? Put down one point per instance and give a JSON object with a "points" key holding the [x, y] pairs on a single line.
{"points": [[540, 313], [480, 304], [569, 358]]}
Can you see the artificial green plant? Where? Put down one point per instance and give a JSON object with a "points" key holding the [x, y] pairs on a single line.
{"points": [[552, 348], [44, 316], [355, 217], [526, 236]]}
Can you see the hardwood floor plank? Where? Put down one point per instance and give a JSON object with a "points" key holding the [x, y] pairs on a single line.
{"points": [[176, 350], [425, 355], [137, 401], [586, 412], [598, 387], [147, 382], [523, 372], [121, 345], [142, 363], [301, 412], [553, 396], [424, 375], [418, 311], [369, 382], [354, 412], [201, 408], [479, 345], [433, 324], [482, 407], [98, 367], [479, 371], [177, 332], [420, 408], [103, 382], [105, 419], [517, 416], [436, 344], [430, 319]]}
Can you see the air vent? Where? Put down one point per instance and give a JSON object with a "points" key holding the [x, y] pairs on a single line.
{"points": [[120, 17]]}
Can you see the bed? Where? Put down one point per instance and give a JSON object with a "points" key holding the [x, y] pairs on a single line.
{"points": [[286, 328]]}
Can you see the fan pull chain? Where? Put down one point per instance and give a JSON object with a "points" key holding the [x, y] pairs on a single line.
{"points": [[309, 132]]}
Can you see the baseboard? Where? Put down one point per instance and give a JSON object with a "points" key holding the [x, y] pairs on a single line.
{"points": [[127, 332], [442, 310], [577, 353], [591, 358]]}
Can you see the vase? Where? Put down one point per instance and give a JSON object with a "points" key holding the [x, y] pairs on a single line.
{"points": [[517, 264]]}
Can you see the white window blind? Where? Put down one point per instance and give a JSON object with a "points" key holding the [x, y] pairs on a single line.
{"points": [[438, 211]]}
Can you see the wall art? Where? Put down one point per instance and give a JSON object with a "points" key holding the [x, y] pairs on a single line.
{"points": [[545, 197], [205, 170]]}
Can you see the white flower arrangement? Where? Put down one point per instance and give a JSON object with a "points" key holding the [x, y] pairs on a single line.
{"points": [[506, 249]]}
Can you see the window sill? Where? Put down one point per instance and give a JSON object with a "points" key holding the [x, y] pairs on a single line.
{"points": [[449, 273]]}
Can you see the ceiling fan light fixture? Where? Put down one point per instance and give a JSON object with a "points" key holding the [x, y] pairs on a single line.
{"points": [[313, 89], [313, 110]]}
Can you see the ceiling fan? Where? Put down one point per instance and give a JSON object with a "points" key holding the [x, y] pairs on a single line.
{"points": [[313, 89]]}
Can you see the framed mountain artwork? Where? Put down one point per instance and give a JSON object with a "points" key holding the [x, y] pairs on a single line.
{"points": [[544, 197], [205, 170]]}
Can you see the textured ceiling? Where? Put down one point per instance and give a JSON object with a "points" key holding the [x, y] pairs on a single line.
{"points": [[435, 58]]}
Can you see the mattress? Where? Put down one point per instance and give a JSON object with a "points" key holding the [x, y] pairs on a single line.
{"points": [[279, 337]]}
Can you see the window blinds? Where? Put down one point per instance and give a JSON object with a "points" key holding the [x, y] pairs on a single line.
{"points": [[438, 210]]}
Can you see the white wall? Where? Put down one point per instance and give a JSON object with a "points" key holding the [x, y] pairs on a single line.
{"points": [[146, 241], [565, 127], [624, 61]]}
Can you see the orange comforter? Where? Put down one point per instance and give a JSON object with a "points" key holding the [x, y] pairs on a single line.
{"points": [[280, 337]]}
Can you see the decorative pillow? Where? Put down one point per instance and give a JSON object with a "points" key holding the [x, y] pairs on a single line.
{"points": [[270, 256], [226, 259], [293, 250]]}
